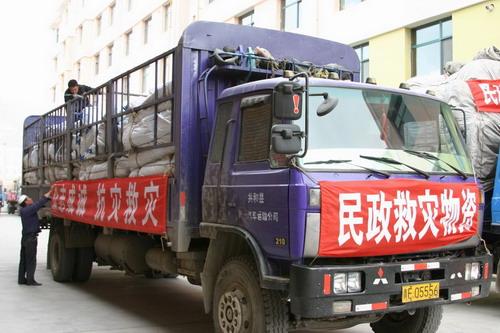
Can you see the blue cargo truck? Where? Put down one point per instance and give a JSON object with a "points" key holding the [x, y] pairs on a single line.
{"points": [[254, 163]]}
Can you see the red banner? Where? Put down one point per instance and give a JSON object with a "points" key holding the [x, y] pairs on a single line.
{"points": [[384, 217], [137, 203], [486, 94]]}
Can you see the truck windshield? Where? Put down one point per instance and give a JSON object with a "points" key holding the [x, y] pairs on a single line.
{"points": [[383, 124]]}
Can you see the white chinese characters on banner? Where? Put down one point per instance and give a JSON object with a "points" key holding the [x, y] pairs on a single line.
{"points": [[151, 194], [82, 200], [116, 195], [402, 213], [71, 200], [62, 197], [101, 202], [491, 93], [132, 203]]}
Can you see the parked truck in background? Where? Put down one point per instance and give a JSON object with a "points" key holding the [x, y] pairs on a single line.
{"points": [[294, 198]]}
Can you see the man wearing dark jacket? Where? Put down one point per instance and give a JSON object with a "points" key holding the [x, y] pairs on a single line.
{"points": [[74, 94], [75, 90], [29, 241]]}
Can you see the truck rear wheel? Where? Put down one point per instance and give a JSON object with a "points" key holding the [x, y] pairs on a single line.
{"points": [[424, 320], [62, 260], [241, 305], [83, 264]]}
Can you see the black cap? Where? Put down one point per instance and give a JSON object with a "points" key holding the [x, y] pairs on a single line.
{"points": [[72, 83]]}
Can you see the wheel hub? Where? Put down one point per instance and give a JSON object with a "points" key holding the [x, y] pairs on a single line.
{"points": [[231, 312]]}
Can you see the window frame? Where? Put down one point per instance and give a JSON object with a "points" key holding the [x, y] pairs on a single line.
{"points": [[343, 5], [250, 14], [98, 25], [128, 39], [167, 16], [96, 63], [440, 40], [110, 54], [146, 29], [112, 8], [363, 60], [284, 8]]}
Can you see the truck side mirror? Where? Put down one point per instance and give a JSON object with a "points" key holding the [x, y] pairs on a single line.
{"points": [[285, 139], [327, 106], [287, 100]]}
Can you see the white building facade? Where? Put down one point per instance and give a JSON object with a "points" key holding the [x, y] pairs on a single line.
{"points": [[95, 40]]}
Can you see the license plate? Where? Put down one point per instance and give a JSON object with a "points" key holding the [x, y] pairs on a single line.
{"points": [[420, 292]]}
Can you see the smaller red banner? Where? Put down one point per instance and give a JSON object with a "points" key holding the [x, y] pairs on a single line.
{"points": [[387, 217], [486, 94], [137, 203]]}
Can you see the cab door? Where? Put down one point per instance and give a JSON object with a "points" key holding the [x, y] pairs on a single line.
{"points": [[246, 185], [256, 181]]}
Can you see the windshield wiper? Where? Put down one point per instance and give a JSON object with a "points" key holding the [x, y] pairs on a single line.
{"points": [[389, 160], [385, 174], [428, 156]]}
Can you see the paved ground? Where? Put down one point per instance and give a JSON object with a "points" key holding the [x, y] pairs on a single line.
{"points": [[113, 302]]}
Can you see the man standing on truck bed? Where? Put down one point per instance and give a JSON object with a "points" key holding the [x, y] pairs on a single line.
{"points": [[29, 241], [75, 90]]}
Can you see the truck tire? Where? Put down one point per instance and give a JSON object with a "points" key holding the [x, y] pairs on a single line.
{"points": [[424, 320], [62, 260], [84, 260], [241, 305]]}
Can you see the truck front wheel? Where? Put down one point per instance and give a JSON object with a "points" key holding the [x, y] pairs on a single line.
{"points": [[241, 305], [424, 320], [62, 260]]}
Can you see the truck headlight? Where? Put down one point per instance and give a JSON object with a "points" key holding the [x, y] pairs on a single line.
{"points": [[314, 197], [472, 271], [354, 282], [349, 282], [340, 283]]}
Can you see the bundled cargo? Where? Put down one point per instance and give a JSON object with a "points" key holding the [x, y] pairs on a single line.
{"points": [[463, 90]]}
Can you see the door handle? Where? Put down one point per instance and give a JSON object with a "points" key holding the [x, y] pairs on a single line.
{"points": [[231, 204]]}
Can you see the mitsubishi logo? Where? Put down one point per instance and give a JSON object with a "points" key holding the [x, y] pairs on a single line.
{"points": [[380, 278]]}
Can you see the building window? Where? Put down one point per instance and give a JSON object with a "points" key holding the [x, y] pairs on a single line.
{"points": [[98, 25], [79, 35], [431, 48], [168, 16], [247, 19], [290, 14], [348, 3], [146, 79], [110, 55], [147, 28], [363, 54], [96, 64], [78, 70], [128, 39], [112, 13]]}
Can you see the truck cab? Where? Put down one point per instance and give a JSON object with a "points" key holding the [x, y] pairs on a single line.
{"points": [[340, 190]]}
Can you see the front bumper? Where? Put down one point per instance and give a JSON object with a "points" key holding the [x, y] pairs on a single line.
{"points": [[312, 295]]}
